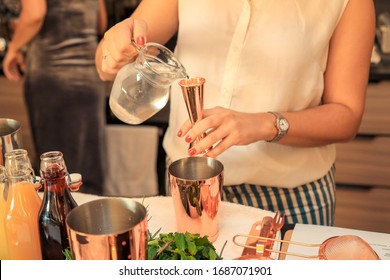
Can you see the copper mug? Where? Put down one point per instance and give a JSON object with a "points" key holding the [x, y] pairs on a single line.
{"points": [[108, 229], [196, 187], [10, 137]]}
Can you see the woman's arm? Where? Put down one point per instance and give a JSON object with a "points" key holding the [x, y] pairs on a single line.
{"points": [[161, 17], [346, 79], [153, 20], [30, 21]]}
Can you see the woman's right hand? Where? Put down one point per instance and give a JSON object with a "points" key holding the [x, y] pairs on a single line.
{"points": [[116, 48], [13, 64]]}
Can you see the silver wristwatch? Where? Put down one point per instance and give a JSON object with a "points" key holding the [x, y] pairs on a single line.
{"points": [[281, 124]]}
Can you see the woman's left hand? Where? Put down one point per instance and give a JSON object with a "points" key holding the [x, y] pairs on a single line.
{"points": [[225, 128]]}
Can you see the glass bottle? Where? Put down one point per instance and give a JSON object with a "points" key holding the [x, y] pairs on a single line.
{"points": [[3, 239], [57, 203], [21, 208]]}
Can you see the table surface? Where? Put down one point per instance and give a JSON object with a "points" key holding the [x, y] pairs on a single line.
{"points": [[234, 219]]}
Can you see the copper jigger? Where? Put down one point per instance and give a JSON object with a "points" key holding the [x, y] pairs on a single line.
{"points": [[108, 229], [196, 187], [192, 89]]}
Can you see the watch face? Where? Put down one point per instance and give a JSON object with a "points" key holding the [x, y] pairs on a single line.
{"points": [[283, 124]]}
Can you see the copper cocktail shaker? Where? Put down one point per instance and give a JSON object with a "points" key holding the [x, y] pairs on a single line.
{"points": [[196, 187], [108, 229]]}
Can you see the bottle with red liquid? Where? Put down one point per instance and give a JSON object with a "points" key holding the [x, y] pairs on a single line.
{"points": [[22, 204], [57, 202]]}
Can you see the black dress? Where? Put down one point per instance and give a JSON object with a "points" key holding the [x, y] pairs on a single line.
{"points": [[65, 98]]}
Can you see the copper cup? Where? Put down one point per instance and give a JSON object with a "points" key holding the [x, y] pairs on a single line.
{"points": [[108, 229], [196, 187], [10, 137]]}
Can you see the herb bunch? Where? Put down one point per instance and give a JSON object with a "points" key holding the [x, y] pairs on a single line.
{"points": [[181, 246]]}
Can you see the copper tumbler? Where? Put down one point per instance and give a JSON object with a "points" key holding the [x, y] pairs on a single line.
{"points": [[196, 187], [108, 229], [10, 137]]}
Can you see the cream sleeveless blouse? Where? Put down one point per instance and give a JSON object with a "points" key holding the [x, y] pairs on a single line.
{"points": [[257, 56]]}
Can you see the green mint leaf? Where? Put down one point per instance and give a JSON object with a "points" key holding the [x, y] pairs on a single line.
{"points": [[180, 242]]}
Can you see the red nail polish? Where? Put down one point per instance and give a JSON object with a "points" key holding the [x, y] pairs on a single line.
{"points": [[188, 139], [140, 40], [191, 152], [180, 133]]}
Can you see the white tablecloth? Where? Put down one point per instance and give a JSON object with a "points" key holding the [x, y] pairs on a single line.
{"points": [[234, 219]]}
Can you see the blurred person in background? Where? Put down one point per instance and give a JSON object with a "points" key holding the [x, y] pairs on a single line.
{"points": [[52, 52]]}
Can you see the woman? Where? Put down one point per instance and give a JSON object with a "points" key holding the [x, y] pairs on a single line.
{"points": [[64, 95], [285, 81]]}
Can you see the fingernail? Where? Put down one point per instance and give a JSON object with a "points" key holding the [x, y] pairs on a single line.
{"points": [[140, 40], [188, 139], [191, 152], [180, 133]]}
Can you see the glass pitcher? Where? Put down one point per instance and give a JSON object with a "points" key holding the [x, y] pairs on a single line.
{"points": [[141, 89]]}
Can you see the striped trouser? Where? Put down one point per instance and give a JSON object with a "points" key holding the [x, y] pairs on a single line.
{"points": [[312, 203]]}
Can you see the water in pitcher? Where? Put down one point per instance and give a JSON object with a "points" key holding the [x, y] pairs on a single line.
{"points": [[140, 98], [141, 89]]}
